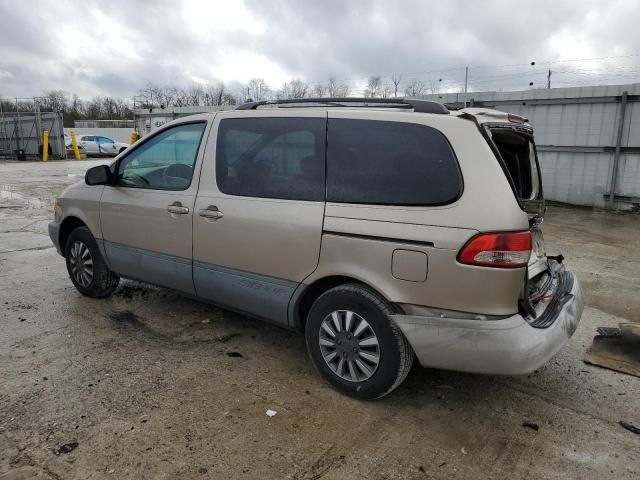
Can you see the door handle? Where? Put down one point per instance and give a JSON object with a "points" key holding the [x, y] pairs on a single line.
{"points": [[211, 212], [177, 208]]}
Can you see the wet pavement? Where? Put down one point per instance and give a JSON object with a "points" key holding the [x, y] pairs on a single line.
{"points": [[149, 384]]}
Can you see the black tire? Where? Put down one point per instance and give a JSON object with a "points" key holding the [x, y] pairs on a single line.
{"points": [[103, 281], [395, 353], [122, 150]]}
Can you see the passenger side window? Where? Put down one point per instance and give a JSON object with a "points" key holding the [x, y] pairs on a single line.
{"points": [[390, 163], [165, 162], [272, 158]]}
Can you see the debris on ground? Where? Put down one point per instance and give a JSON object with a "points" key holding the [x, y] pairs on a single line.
{"points": [[227, 337], [205, 321], [531, 425], [629, 426], [66, 448], [463, 451], [234, 354], [616, 349], [271, 413], [128, 291]]}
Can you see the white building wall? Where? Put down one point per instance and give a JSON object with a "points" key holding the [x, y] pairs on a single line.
{"points": [[118, 134]]}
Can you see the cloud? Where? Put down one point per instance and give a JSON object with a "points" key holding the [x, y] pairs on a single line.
{"points": [[97, 48]]}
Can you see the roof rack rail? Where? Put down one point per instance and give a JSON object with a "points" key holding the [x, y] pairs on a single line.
{"points": [[418, 105]]}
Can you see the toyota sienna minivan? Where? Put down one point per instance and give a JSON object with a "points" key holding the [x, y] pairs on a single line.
{"points": [[384, 229]]}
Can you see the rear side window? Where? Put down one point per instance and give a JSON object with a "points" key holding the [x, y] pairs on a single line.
{"points": [[390, 163], [272, 157]]}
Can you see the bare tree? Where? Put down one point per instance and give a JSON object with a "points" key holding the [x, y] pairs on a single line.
{"points": [[194, 95], [296, 88], [108, 107], [213, 94], [374, 85], [333, 87], [319, 91], [386, 91], [258, 89], [396, 78], [344, 89], [93, 109], [54, 100], [228, 99], [415, 88], [434, 85]]}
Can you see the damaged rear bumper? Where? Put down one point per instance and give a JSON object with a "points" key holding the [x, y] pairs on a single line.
{"points": [[509, 346]]}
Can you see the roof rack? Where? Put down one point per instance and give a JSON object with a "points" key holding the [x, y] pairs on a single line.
{"points": [[418, 105]]}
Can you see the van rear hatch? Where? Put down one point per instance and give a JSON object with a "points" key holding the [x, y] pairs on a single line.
{"points": [[511, 139]]}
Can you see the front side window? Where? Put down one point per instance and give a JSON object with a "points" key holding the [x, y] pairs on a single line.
{"points": [[104, 140], [390, 163], [165, 162], [272, 158]]}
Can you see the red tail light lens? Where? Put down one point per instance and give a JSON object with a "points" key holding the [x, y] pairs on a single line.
{"points": [[500, 250]]}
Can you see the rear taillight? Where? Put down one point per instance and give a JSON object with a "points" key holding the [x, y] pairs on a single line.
{"points": [[500, 250]]}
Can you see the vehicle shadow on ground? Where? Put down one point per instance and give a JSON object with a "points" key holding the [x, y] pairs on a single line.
{"points": [[160, 318]]}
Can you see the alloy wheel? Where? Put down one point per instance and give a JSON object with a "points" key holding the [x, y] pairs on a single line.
{"points": [[349, 345], [81, 263]]}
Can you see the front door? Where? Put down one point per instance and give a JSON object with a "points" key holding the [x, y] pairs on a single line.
{"points": [[146, 217], [259, 212], [106, 146]]}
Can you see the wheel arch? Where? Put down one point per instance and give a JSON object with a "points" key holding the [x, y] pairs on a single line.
{"points": [[305, 295], [68, 225]]}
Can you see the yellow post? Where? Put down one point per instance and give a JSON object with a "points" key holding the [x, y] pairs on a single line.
{"points": [[134, 137], [45, 145], [74, 142]]}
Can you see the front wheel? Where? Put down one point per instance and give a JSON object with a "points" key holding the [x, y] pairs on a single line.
{"points": [[354, 344], [87, 269]]}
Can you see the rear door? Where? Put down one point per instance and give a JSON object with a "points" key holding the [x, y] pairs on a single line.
{"points": [[146, 216], [259, 212], [89, 144]]}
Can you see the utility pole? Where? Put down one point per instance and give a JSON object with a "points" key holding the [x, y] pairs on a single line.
{"points": [[466, 78], [549, 79]]}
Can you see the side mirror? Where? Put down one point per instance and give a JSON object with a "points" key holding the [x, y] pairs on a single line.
{"points": [[100, 175]]}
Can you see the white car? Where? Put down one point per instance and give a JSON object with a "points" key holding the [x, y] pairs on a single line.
{"points": [[101, 145]]}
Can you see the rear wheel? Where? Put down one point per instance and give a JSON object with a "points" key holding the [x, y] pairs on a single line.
{"points": [[87, 269], [354, 344]]}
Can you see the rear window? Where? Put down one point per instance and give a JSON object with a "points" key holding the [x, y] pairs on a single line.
{"points": [[390, 163]]}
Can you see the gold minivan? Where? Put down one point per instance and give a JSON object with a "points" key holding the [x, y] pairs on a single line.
{"points": [[382, 228]]}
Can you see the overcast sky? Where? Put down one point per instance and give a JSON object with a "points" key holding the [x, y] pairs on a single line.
{"points": [[117, 47]]}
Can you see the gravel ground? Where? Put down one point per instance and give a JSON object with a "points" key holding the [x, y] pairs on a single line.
{"points": [[148, 384]]}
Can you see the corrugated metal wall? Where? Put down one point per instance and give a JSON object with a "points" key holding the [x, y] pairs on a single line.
{"points": [[576, 132]]}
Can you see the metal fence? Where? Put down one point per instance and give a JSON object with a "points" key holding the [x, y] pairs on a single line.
{"points": [[21, 134], [588, 139]]}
